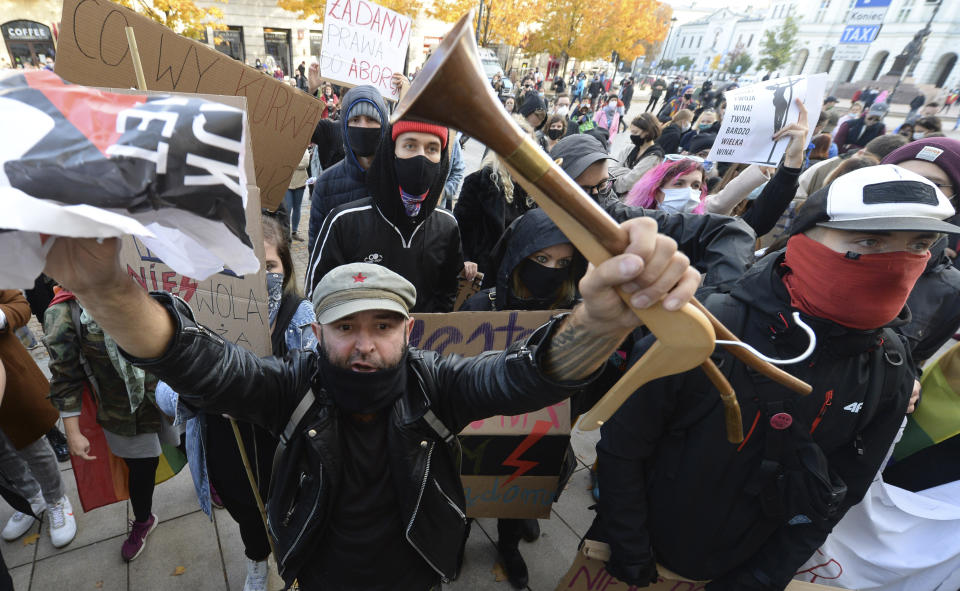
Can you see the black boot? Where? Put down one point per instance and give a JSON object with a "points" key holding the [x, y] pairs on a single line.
{"points": [[513, 563], [58, 441], [529, 529]]}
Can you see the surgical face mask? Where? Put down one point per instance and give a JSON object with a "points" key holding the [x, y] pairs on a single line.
{"points": [[562, 110], [704, 126], [919, 135], [680, 200], [684, 126]]}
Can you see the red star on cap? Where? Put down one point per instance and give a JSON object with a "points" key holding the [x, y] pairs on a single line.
{"points": [[358, 278]]}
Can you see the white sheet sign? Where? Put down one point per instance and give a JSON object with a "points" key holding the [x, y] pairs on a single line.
{"points": [[364, 43], [754, 113]]}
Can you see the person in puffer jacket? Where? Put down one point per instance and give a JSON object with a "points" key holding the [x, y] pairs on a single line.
{"points": [[364, 122]]}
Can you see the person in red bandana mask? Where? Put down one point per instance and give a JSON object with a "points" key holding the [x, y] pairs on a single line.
{"points": [[753, 512]]}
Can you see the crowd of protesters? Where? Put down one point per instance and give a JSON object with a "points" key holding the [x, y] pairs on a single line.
{"points": [[352, 432]]}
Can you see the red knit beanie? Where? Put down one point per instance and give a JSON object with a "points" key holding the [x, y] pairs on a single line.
{"points": [[403, 126]]}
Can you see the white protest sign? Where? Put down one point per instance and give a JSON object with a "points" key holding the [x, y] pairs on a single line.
{"points": [[754, 113], [364, 43]]}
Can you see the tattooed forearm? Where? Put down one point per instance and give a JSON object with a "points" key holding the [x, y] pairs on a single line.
{"points": [[574, 352]]}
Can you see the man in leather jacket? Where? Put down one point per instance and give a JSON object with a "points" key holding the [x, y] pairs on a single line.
{"points": [[365, 491], [745, 516]]}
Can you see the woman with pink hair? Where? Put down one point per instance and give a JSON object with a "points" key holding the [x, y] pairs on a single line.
{"points": [[677, 185]]}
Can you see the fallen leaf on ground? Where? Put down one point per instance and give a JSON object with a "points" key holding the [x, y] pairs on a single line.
{"points": [[498, 572], [31, 539], [99, 585], [178, 571]]}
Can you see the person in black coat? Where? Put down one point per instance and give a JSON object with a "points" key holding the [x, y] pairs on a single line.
{"points": [[489, 202], [670, 137]]}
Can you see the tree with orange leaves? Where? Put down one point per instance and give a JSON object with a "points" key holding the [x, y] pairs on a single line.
{"points": [[181, 16], [584, 29], [316, 9], [502, 21]]}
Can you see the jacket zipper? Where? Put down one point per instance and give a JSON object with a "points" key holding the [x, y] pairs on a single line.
{"points": [[306, 522], [293, 505], [827, 401], [416, 509], [450, 501], [202, 331]]}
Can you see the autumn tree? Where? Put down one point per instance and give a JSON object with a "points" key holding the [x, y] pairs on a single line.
{"points": [[584, 29], [181, 16], [502, 21], [315, 9], [777, 47]]}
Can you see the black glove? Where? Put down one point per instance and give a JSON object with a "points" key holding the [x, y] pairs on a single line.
{"points": [[638, 575]]}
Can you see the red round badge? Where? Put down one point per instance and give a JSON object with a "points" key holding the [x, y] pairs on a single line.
{"points": [[781, 421]]}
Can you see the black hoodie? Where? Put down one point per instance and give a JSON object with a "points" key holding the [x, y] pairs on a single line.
{"points": [[529, 233], [424, 249], [345, 181]]}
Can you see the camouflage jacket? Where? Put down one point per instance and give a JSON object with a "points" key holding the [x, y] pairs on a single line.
{"points": [[68, 377]]}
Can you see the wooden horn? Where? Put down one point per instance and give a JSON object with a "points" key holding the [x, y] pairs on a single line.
{"points": [[451, 90]]}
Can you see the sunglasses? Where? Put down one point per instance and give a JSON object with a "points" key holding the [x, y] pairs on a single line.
{"points": [[599, 187], [676, 157]]}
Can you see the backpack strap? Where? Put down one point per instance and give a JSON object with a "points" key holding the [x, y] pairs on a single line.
{"points": [[84, 363], [296, 417]]}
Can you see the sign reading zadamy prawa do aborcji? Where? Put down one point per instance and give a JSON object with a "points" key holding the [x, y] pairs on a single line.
{"points": [[235, 307], [92, 49], [511, 465]]}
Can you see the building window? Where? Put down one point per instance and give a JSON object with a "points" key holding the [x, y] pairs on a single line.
{"points": [[904, 14], [316, 43], [750, 41], [277, 45], [740, 40], [699, 41], [230, 42], [846, 15], [822, 11], [683, 40]]}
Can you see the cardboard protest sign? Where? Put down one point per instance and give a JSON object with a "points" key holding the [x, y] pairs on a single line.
{"points": [[465, 289], [510, 465], [233, 306], [754, 113], [587, 573], [92, 49], [364, 43]]}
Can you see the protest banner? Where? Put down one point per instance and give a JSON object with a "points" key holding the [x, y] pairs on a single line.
{"points": [[465, 289], [587, 573], [92, 49], [754, 113], [510, 465], [233, 306], [364, 43]]}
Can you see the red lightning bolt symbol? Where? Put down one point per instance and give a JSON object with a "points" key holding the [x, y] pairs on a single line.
{"points": [[540, 429]]}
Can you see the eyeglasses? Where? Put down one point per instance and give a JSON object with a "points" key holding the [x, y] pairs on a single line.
{"points": [[676, 157], [600, 187]]}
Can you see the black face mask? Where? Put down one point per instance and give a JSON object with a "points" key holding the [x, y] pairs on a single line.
{"points": [[542, 282], [637, 139], [362, 392], [416, 175], [363, 140], [554, 134]]}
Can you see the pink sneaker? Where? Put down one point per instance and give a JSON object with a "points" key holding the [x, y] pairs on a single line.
{"points": [[134, 544]]}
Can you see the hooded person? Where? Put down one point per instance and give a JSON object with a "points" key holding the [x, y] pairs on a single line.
{"points": [[363, 127], [534, 110], [857, 133], [935, 300], [399, 224], [766, 504]]}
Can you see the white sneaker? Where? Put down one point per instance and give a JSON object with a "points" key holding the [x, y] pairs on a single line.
{"points": [[20, 523], [63, 526], [257, 573]]}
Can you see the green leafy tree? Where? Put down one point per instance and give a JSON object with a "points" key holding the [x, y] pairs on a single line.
{"points": [[777, 47], [686, 62], [743, 60], [665, 64]]}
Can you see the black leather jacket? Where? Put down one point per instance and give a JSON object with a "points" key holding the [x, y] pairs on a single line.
{"points": [[218, 376]]}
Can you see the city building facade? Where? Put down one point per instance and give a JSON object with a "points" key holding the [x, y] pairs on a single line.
{"points": [[711, 40]]}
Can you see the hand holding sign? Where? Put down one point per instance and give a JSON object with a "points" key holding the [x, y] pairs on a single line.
{"points": [[760, 115], [797, 132]]}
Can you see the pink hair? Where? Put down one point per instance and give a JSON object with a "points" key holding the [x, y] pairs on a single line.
{"points": [[644, 192]]}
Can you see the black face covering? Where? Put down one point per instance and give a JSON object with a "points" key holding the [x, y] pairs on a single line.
{"points": [[542, 281], [637, 139], [363, 140], [363, 392], [416, 174], [554, 134]]}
